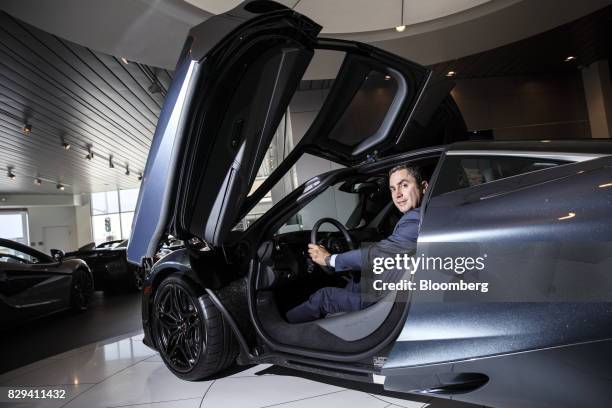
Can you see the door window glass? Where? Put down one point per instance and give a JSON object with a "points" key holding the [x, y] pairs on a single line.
{"points": [[366, 111], [459, 172], [304, 169]]}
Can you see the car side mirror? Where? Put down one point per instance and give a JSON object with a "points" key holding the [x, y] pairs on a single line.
{"points": [[57, 254]]}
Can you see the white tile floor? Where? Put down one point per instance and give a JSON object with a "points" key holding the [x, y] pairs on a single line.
{"points": [[123, 372]]}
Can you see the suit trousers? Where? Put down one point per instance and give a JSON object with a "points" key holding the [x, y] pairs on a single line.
{"points": [[328, 300]]}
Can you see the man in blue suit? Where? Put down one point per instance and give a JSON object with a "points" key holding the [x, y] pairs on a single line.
{"points": [[407, 187]]}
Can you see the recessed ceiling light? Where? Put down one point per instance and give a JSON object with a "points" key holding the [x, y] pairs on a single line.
{"points": [[27, 128], [124, 60], [387, 77], [400, 29], [451, 74], [570, 58]]}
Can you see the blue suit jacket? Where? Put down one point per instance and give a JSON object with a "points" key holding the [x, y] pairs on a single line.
{"points": [[406, 231]]}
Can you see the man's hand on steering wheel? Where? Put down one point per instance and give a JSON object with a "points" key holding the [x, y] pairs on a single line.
{"points": [[318, 253]]}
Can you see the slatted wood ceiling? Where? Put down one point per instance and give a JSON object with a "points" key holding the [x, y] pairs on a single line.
{"points": [[84, 97]]}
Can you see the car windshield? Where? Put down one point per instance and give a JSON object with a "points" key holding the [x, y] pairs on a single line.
{"points": [[10, 255], [331, 203]]}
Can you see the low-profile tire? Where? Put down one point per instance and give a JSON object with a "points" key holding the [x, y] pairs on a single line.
{"points": [[193, 339], [80, 290]]}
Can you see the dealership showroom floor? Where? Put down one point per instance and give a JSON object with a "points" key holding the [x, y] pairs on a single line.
{"points": [[105, 364], [122, 372], [233, 178]]}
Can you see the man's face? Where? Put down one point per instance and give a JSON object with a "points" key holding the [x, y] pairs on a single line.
{"points": [[405, 191]]}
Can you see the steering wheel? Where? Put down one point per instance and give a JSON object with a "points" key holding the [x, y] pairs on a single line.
{"points": [[313, 239]]}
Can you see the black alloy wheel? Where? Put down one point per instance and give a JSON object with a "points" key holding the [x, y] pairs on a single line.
{"points": [[179, 326], [82, 287], [191, 336]]}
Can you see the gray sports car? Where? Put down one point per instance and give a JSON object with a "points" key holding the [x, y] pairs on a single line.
{"points": [[531, 327], [34, 284]]}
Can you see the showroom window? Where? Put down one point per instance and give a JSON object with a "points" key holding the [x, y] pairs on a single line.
{"points": [[112, 213], [14, 226]]}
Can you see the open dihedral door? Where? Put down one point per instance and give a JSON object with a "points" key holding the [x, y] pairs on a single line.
{"points": [[244, 91], [232, 86]]}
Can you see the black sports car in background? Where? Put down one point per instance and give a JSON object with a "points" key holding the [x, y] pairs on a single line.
{"points": [[33, 284], [109, 266]]}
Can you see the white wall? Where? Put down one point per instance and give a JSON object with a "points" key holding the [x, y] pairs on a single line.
{"points": [[84, 233], [53, 210], [41, 217]]}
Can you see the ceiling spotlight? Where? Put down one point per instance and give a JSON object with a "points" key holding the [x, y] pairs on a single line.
{"points": [[90, 154], [127, 171], [387, 77], [37, 181], [570, 58], [124, 60], [451, 74], [110, 162], [400, 29], [60, 187], [140, 177], [65, 144], [10, 174], [26, 129]]}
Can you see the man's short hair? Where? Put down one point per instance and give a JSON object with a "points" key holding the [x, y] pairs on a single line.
{"points": [[413, 171]]}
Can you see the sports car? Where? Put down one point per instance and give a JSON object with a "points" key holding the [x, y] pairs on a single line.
{"points": [[109, 266], [226, 176], [33, 284]]}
